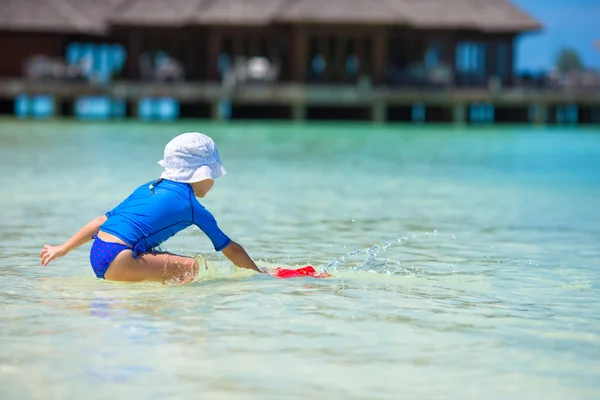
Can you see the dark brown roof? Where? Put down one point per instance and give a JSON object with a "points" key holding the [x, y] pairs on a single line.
{"points": [[94, 16], [86, 16]]}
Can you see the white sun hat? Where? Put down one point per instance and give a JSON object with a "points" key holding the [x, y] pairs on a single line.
{"points": [[191, 157]]}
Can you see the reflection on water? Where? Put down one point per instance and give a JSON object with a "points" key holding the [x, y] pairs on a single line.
{"points": [[464, 264]]}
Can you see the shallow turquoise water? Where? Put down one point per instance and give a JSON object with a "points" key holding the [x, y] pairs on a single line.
{"points": [[466, 265]]}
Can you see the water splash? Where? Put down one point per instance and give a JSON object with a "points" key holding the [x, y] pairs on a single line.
{"points": [[416, 260], [371, 263]]}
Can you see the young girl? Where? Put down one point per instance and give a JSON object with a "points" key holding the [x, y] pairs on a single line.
{"points": [[124, 238]]}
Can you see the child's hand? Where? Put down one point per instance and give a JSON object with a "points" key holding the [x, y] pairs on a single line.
{"points": [[49, 253]]}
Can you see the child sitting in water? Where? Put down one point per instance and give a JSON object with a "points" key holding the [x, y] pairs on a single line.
{"points": [[124, 238]]}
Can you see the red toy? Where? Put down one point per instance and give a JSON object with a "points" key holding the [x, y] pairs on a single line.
{"points": [[295, 273]]}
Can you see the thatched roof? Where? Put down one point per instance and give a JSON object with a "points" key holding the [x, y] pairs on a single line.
{"points": [[156, 12], [239, 12], [486, 15], [341, 11], [85, 16], [199, 12], [95, 16]]}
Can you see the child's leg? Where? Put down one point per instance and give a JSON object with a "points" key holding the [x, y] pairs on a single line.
{"points": [[158, 267]]}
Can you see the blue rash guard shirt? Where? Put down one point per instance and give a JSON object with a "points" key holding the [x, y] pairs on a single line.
{"points": [[158, 210]]}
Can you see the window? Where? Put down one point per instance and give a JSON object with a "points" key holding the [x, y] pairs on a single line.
{"points": [[503, 61], [39, 106], [100, 108], [432, 55], [164, 108], [418, 112], [481, 113], [95, 61], [567, 114], [470, 58]]}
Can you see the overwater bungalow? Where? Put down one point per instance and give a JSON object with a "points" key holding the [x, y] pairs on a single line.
{"points": [[299, 55]]}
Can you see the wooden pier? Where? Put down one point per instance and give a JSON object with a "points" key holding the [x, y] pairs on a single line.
{"points": [[300, 101]]}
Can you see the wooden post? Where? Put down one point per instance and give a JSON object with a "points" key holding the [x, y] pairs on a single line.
{"points": [[221, 109], [190, 42], [360, 54], [339, 58], [134, 50], [491, 59], [213, 50], [378, 112], [299, 112], [299, 56], [254, 46], [448, 53], [459, 113], [214, 111], [238, 47], [325, 52], [510, 61], [134, 108], [380, 56], [539, 113], [55, 103]]}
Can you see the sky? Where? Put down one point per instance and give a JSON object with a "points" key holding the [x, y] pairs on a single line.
{"points": [[573, 23]]}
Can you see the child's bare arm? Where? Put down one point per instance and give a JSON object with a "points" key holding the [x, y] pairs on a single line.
{"points": [[238, 256], [84, 235]]}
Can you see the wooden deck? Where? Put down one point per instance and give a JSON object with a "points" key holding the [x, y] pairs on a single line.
{"points": [[289, 93], [299, 97]]}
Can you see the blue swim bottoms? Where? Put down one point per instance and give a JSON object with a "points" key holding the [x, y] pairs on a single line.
{"points": [[102, 255]]}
